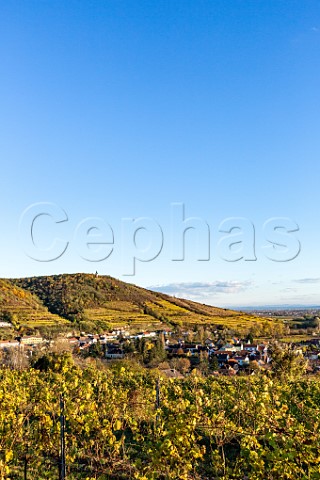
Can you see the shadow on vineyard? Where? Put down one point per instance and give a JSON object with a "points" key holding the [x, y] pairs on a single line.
{"points": [[126, 423]]}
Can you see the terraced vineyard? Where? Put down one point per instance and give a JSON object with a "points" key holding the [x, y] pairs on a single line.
{"points": [[118, 313], [106, 302], [184, 312], [22, 308]]}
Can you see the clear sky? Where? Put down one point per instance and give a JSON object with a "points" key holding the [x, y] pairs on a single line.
{"points": [[118, 109]]}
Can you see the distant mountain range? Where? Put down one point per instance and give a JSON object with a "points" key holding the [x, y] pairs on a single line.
{"points": [[93, 301]]}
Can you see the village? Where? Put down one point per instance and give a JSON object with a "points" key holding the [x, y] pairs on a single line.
{"points": [[173, 353]]}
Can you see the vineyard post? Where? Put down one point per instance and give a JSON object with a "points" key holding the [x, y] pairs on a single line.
{"points": [[25, 470], [158, 397], [62, 460]]}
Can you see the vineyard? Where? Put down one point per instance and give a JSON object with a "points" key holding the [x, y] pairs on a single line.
{"points": [[100, 303], [127, 423]]}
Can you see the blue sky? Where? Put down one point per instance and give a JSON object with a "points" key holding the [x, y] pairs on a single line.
{"points": [[118, 109]]}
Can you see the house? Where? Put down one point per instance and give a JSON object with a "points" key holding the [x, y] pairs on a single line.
{"points": [[255, 356], [144, 335], [192, 346], [9, 344], [33, 340], [312, 355], [222, 358], [120, 332], [250, 347], [226, 346], [107, 337], [232, 348], [83, 341], [114, 353], [5, 325], [242, 358], [165, 331]]}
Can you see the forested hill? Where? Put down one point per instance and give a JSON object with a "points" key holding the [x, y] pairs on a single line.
{"points": [[106, 301]]}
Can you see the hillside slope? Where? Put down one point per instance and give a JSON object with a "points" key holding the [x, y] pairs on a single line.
{"points": [[106, 301], [20, 307]]}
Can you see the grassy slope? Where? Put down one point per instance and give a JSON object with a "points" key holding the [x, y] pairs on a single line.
{"points": [[106, 299]]}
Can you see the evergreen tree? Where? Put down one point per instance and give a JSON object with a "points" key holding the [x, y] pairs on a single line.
{"points": [[287, 363], [214, 364]]}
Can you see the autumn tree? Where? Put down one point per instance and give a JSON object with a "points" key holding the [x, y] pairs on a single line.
{"points": [[181, 364]]}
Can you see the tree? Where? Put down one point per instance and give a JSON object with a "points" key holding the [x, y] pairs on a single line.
{"points": [[181, 364], [95, 350], [164, 365], [128, 347], [222, 334], [7, 316], [151, 353], [156, 354], [54, 362], [15, 358], [203, 362], [249, 337], [200, 334], [287, 363], [254, 366], [56, 344], [214, 364], [141, 347]]}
